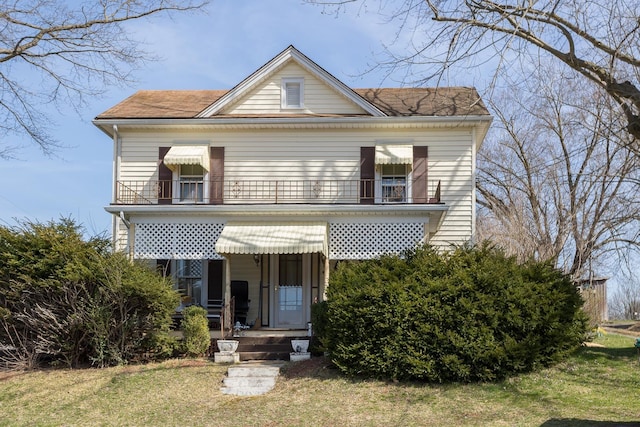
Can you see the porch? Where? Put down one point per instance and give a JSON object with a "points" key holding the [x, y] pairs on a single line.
{"points": [[270, 276], [271, 271], [261, 344], [266, 347]]}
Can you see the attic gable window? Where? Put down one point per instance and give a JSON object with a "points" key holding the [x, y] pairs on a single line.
{"points": [[292, 93]]}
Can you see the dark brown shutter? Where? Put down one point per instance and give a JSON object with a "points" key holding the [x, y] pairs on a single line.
{"points": [[367, 174], [420, 185], [165, 178], [216, 175]]}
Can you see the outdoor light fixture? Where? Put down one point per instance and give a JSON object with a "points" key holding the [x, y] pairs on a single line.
{"points": [[256, 259]]}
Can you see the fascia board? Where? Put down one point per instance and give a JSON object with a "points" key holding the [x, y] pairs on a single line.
{"points": [[333, 210], [482, 121]]}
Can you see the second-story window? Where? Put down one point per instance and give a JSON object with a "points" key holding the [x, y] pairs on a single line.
{"points": [[189, 166], [292, 93], [394, 183], [393, 172], [191, 184]]}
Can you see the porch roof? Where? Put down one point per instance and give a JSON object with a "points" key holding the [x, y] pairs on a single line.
{"points": [[273, 238]]}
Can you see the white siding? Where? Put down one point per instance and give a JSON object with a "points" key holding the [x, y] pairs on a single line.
{"points": [[451, 161], [319, 98], [321, 154]]}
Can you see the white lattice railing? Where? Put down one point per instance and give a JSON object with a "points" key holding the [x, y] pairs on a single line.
{"points": [[353, 240]]}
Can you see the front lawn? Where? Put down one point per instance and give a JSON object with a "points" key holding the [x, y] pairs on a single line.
{"points": [[595, 384]]}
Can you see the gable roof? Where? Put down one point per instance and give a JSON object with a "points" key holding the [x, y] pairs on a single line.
{"points": [[381, 102], [284, 57], [188, 104]]}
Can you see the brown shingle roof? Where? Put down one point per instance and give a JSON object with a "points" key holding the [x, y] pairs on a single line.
{"points": [[184, 104], [163, 104], [441, 101]]}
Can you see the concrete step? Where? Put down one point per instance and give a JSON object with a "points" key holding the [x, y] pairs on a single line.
{"points": [[253, 371], [250, 379], [260, 382], [245, 391]]}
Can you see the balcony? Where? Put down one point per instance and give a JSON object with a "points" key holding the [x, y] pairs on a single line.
{"points": [[365, 191]]}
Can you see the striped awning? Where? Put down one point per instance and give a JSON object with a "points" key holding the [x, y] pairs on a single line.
{"points": [[187, 155], [394, 154], [273, 238]]}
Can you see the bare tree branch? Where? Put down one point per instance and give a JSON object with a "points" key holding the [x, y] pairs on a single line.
{"points": [[558, 181], [75, 51], [599, 40]]}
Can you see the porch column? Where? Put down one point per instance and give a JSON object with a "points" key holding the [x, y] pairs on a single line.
{"points": [[131, 241], [227, 292], [326, 278]]}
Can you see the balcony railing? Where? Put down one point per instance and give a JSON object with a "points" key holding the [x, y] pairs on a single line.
{"points": [[361, 191]]}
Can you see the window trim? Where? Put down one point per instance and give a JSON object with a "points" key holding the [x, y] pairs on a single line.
{"points": [[177, 175], [284, 101], [177, 276], [408, 180]]}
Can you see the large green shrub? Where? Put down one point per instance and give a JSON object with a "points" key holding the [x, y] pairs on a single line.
{"points": [[469, 315], [69, 300], [195, 328], [319, 320]]}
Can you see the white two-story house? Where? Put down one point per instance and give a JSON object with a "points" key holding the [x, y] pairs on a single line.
{"points": [[271, 183]]}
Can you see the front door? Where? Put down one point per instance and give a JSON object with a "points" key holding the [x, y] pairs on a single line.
{"points": [[290, 292], [215, 284]]}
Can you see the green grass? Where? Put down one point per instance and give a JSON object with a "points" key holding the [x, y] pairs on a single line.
{"points": [[596, 386]]}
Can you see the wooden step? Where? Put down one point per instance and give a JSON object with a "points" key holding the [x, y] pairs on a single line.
{"points": [[263, 355], [264, 348]]}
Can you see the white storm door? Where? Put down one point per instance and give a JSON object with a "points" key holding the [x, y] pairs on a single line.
{"points": [[290, 291]]}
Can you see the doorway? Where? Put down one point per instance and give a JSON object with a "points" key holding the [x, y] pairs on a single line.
{"points": [[290, 290]]}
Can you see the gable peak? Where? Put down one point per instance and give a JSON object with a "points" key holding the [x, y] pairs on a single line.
{"points": [[291, 53]]}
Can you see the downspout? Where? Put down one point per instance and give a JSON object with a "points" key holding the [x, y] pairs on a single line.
{"points": [[129, 226], [116, 162], [115, 175], [474, 145]]}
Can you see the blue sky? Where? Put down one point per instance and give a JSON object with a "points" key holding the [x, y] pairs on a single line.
{"points": [[212, 50]]}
